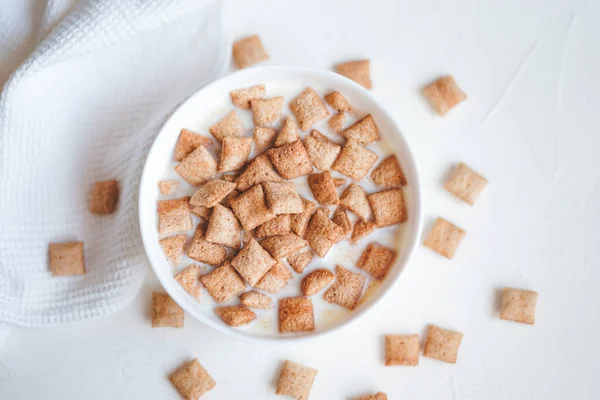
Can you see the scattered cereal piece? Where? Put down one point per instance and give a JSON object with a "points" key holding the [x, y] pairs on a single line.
{"points": [[290, 160], [174, 216], [296, 315], [355, 199], [465, 183], [363, 131], [401, 350], [354, 160], [189, 279], [165, 312], [316, 280], [444, 238], [321, 151], [198, 167], [249, 51], [376, 396], [275, 279], [264, 137], [338, 102], [224, 227], [377, 260], [234, 194], [223, 283], [322, 186], [295, 380], [253, 262], [173, 247], [167, 187], [341, 219], [279, 225], [299, 261], [322, 232], [336, 122], [235, 315], [189, 141], [201, 212], [251, 208], [242, 97], [518, 305], [235, 153], [266, 111], [204, 251], [442, 344], [347, 289], [388, 207], [443, 94], [254, 299], [228, 126], [211, 193], [359, 71], [339, 182], [104, 197], [282, 246], [389, 173], [260, 170], [192, 380], [66, 258], [289, 133], [309, 109], [361, 230], [299, 222], [282, 197]]}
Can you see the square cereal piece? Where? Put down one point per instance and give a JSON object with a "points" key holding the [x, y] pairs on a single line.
{"points": [[168, 187], [223, 283], [248, 51], [201, 212], [275, 279], [228, 126], [299, 222], [192, 380], [282, 246], [354, 160], [322, 187], [174, 216], [291, 160], [321, 232], [254, 299], [266, 111], [235, 315], [388, 207], [66, 258], [198, 167], [341, 219], [289, 133], [189, 279], [295, 380], [401, 350], [376, 396], [204, 251], [361, 230], [282, 197], [165, 312], [442, 344], [443, 94], [173, 247], [224, 228], [347, 288], [189, 141], [465, 183], [296, 315], [377, 260], [364, 131], [314, 282], [444, 238], [359, 71], [355, 199], [299, 261], [309, 109], [279, 225], [260, 170], [211, 193], [321, 151], [338, 102], [337, 122], [235, 153], [104, 197], [388, 173], [518, 305], [252, 262], [338, 182], [242, 97], [251, 208], [264, 137]]}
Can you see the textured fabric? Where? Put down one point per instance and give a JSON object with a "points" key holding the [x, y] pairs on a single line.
{"points": [[85, 106]]}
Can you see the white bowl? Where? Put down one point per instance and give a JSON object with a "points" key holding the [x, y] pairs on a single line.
{"points": [[208, 105]]}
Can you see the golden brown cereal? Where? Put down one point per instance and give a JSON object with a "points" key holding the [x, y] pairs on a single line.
{"points": [[388, 207], [282, 197], [443, 94], [192, 380], [290, 160], [361, 230], [251, 208], [264, 137], [235, 153], [299, 261], [249, 51], [338, 102], [173, 247], [363, 131], [518, 305], [198, 167], [66, 258], [359, 71], [444, 238], [232, 195], [355, 199], [295, 380], [165, 312], [254, 299], [229, 177], [211, 193], [401, 350], [388, 173], [322, 187], [283, 246], [204, 251], [309, 109], [289, 133], [104, 197], [321, 232], [377, 260], [224, 227], [321, 151], [223, 283], [201, 212], [442, 344], [341, 219], [266, 111], [376, 396], [189, 279], [296, 315], [339, 182], [235, 315], [253, 262], [174, 216], [228, 126], [279, 225], [189, 141], [336, 122], [316, 280], [275, 279], [354, 160], [347, 289], [299, 222], [465, 183], [242, 97], [260, 170], [168, 187]]}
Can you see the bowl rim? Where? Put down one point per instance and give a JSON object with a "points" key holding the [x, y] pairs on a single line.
{"points": [[412, 241]]}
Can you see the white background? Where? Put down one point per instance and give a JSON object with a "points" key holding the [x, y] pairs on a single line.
{"points": [[530, 125]]}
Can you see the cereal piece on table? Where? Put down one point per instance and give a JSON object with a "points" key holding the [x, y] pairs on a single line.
{"points": [[299, 261], [174, 216], [322, 187], [518, 305], [363, 131], [104, 197], [201, 212], [359, 71], [338, 102], [282, 197], [355, 199], [339, 182], [316, 280], [235, 315], [299, 222], [189, 279], [347, 288], [309, 109], [168, 187], [295, 380], [204, 251], [189, 141], [388, 173], [252, 262], [165, 312], [291, 160], [254, 299], [354, 161], [264, 137], [376, 396], [224, 228], [173, 247], [192, 380], [283, 246], [234, 194], [444, 238], [235, 153], [401, 350], [198, 167], [442, 344], [465, 183], [443, 94], [289, 133], [275, 279], [248, 51], [228, 126], [321, 232], [377, 260], [260, 170], [296, 315], [321, 151], [251, 208], [66, 258], [223, 283], [242, 97], [361, 230], [341, 219], [266, 111], [336, 122], [279, 225], [388, 207], [211, 193]]}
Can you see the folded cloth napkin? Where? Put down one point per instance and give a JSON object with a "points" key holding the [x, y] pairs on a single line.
{"points": [[84, 106]]}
